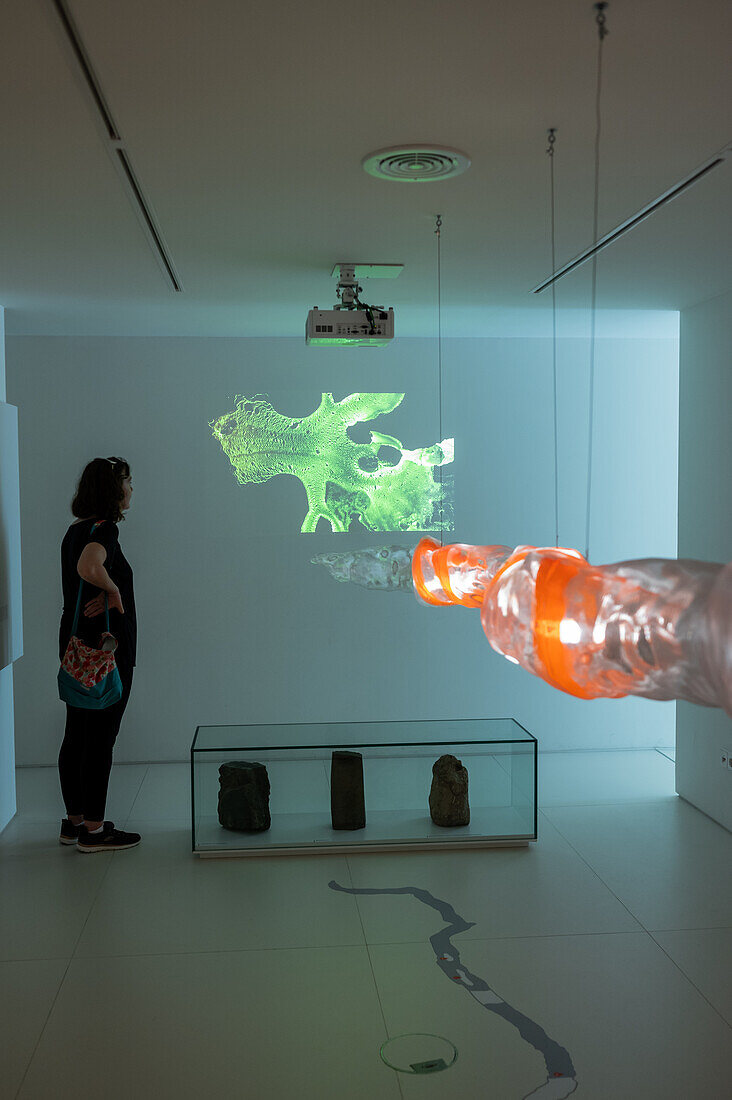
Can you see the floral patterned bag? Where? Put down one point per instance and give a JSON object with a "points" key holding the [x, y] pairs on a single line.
{"points": [[88, 677]]}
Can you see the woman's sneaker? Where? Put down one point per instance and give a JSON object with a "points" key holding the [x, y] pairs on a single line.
{"points": [[108, 840]]}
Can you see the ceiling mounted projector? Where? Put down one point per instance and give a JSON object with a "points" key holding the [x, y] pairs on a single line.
{"points": [[351, 322]]}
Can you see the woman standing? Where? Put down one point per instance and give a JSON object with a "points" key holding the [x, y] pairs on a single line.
{"points": [[92, 554]]}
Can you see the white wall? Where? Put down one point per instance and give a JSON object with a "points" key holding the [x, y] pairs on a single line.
{"points": [[7, 746], [235, 624], [705, 527]]}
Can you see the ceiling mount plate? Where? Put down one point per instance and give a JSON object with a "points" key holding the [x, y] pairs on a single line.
{"points": [[416, 163], [369, 271]]}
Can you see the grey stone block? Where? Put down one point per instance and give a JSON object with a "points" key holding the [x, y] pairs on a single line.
{"points": [[244, 796], [449, 793], [347, 802]]}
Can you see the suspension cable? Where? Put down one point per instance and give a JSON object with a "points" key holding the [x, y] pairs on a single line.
{"points": [[602, 32], [438, 227], [550, 152]]}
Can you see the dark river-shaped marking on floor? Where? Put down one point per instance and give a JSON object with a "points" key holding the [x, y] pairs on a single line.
{"points": [[561, 1079]]}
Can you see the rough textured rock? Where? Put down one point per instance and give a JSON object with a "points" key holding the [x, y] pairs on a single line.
{"points": [[244, 796], [449, 793], [347, 804]]}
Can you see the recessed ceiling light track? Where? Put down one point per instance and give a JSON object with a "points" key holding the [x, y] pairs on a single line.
{"points": [[115, 145], [86, 69], [636, 219], [148, 218]]}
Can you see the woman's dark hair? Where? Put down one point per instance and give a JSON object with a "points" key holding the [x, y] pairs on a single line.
{"points": [[100, 492]]}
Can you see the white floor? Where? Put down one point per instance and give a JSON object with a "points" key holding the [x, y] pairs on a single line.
{"points": [[153, 973]]}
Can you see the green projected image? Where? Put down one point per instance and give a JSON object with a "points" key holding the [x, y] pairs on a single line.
{"points": [[344, 480]]}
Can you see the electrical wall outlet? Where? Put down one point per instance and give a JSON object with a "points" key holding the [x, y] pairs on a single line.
{"points": [[725, 758]]}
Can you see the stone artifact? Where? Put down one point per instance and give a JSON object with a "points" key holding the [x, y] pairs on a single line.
{"points": [[244, 796], [449, 793], [347, 804]]}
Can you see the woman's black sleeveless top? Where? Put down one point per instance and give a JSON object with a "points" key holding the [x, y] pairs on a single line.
{"points": [[124, 627]]}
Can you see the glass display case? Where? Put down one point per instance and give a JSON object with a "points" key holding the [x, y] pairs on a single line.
{"points": [[500, 757]]}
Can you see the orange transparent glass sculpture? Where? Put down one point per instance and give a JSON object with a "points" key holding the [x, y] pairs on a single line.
{"points": [[656, 627]]}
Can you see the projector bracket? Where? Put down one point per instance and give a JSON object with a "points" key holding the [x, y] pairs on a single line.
{"points": [[348, 288]]}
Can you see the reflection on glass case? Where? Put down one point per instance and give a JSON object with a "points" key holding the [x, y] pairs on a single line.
{"points": [[281, 789]]}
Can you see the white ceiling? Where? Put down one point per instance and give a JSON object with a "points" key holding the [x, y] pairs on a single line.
{"points": [[246, 125]]}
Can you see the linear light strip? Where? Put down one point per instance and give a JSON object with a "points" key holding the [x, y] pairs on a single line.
{"points": [[626, 226], [85, 65], [116, 145], [149, 221]]}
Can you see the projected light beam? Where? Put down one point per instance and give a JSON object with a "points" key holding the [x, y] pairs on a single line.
{"points": [[344, 481]]}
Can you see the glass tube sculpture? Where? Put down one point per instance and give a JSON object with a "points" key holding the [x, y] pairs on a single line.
{"points": [[656, 627]]}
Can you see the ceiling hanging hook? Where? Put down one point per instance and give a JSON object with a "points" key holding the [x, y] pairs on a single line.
{"points": [[600, 19]]}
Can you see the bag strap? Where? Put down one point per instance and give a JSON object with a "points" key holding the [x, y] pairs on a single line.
{"points": [[81, 585]]}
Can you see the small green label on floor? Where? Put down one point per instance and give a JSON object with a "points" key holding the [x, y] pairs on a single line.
{"points": [[429, 1067]]}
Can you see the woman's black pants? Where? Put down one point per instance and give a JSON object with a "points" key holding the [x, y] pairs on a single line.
{"points": [[85, 759]]}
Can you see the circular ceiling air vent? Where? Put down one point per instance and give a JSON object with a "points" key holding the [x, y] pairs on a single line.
{"points": [[415, 163]]}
